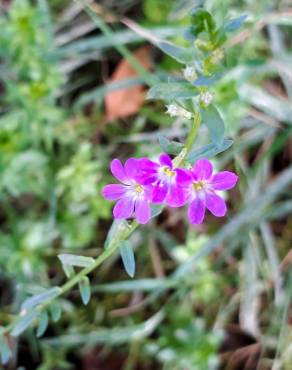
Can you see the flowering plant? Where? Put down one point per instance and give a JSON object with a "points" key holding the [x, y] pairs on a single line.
{"points": [[146, 186]]}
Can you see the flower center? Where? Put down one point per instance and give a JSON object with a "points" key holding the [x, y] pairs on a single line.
{"points": [[168, 172], [139, 189], [198, 185]]}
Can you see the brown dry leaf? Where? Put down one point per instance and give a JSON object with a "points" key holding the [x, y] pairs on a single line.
{"points": [[125, 102]]}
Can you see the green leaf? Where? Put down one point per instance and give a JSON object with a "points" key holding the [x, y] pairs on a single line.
{"points": [[128, 258], [43, 323], [24, 322], [208, 151], [172, 90], [180, 54], [140, 285], [69, 271], [40, 298], [235, 24], [84, 288], [114, 336], [212, 119], [202, 21], [113, 233], [207, 81], [171, 147], [73, 260], [55, 311], [156, 210], [5, 351]]}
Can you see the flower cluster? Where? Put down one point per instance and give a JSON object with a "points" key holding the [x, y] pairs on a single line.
{"points": [[145, 182]]}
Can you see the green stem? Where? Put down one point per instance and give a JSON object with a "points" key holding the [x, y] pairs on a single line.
{"points": [[102, 257], [190, 140], [113, 246], [193, 132]]}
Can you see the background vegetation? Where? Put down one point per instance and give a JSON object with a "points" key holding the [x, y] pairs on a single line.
{"points": [[70, 102]]}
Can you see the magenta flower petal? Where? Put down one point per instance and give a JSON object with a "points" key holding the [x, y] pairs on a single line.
{"points": [[124, 207], [118, 171], [114, 191], [142, 211], [159, 192], [196, 212], [175, 196], [216, 205], [224, 180], [147, 171], [203, 169], [131, 168], [165, 160], [183, 177], [147, 165]]}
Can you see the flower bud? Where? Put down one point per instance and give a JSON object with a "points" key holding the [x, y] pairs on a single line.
{"points": [[175, 111], [206, 98], [190, 73], [217, 55]]}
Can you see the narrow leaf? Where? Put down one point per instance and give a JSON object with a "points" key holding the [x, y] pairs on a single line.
{"points": [[73, 260], [84, 288], [55, 311], [114, 336], [212, 119], [172, 90], [180, 54], [235, 24], [24, 322], [207, 81], [141, 285], [43, 323], [156, 210], [69, 271], [209, 151], [171, 147], [5, 351], [113, 232], [40, 298], [128, 258]]}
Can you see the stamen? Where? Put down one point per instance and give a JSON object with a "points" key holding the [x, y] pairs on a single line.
{"points": [[199, 185], [139, 189], [168, 172]]}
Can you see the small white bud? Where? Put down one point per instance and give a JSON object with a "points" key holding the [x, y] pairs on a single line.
{"points": [[176, 111], [172, 110], [190, 73], [186, 114], [206, 98], [217, 56], [23, 312]]}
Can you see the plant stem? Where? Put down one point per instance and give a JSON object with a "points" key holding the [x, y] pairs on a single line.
{"points": [[102, 257], [190, 140], [193, 132]]}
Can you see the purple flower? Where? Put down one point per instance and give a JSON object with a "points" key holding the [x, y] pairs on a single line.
{"points": [[201, 191], [132, 197], [167, 182]]}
